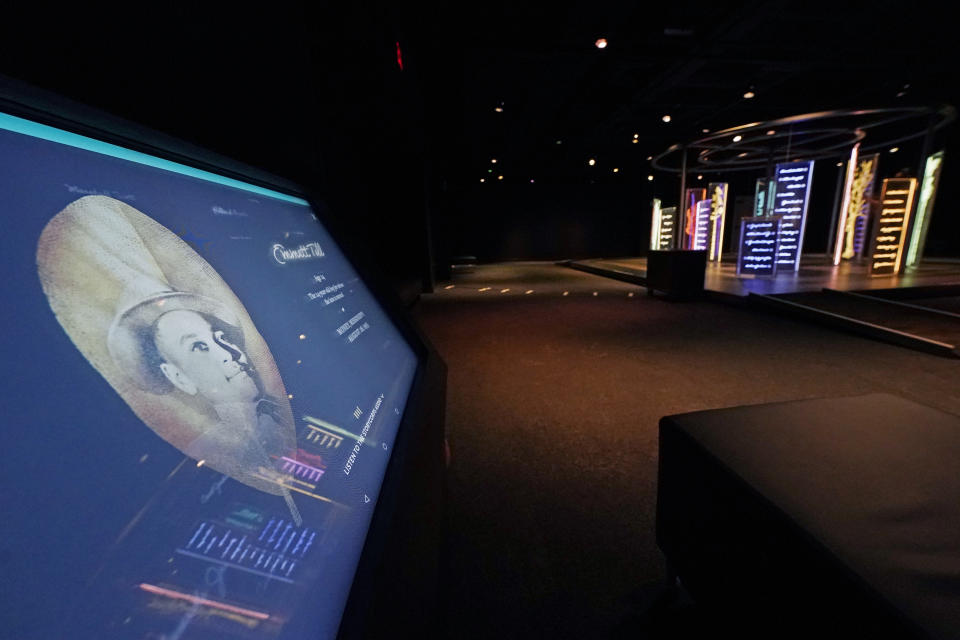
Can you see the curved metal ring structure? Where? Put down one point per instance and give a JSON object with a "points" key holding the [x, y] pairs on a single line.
{"points": [[809, 136]]}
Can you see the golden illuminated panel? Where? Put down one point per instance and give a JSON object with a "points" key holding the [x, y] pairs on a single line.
{"points": [[896, 199]]}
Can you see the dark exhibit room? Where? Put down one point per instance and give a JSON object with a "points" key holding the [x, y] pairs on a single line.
{"points": [[480, 320]]}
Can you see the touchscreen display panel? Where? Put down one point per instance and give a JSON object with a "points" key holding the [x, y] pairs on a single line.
{"points": [[202, 397]]}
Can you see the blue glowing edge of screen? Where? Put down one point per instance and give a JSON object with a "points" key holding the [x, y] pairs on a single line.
{"points": [[37, 130]]}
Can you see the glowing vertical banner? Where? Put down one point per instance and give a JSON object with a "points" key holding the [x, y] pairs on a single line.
{"points": [[690, 200], [668, 222], [855, 212], [701, 225], [758, 246], [718, 213], [896, 198], [655, 225], [928, 192], [793, 183], [763, 196]]}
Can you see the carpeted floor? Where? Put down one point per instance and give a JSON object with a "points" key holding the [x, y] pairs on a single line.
{"points": [[553, 403]]}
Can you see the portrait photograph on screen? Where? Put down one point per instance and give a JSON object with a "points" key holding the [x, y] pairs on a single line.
{"points": [[206, 400]]}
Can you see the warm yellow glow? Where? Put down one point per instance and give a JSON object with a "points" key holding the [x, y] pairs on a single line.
{"points": [[594, 293], [290, 395], [649, 157], [636, 135], [666, 118], [450, 286], [845, 204], [737, 138], [699, 177], [566, 293], [303, 336], [616, 170], [591, 162], [650, 178], [504, 290], [601, 43], [742, 155], [200, 463], [894, 149], [630, 295], [483, 179], [528, 292], [499, 177], [485, 288], [749, 94], [634, 141], [498, 109]]}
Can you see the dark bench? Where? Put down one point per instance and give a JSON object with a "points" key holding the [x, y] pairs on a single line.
{"points": [[816, 518]]}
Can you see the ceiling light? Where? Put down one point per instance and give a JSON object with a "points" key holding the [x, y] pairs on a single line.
{"points": [[483, 179], [742, 155], [666, 118], [498, 109], [706, 130], [649, 158], [499, 177], [749, 94], [636, 135], [591, 162], [700, 177], [839, 164], [601, 43], [616, 170], [737, 138], [650, 178], [894, 149], [531, 180], [493, 160], [634, 141], [771, 132]]}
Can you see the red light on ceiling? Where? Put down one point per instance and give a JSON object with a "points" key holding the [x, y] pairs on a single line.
{"points": [[399, 56]]}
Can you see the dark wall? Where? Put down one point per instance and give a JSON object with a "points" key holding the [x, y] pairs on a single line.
{"points": [[310, 92]]}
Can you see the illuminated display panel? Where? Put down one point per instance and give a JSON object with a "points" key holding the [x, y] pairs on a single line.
{"points": [[655, 225], [691, 198], [763, 196], [701, 235], [855, 212], [928, 194], [793, 183], [896, 200], [207, 396], [759, 237], [718, 212], [668, 223]]}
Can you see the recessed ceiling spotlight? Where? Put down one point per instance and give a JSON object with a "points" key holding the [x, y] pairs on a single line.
{"points": [[894, 149], [634, 141], [499, 177], [700, 177], [636, 135], [749, 94], [666, 118], [742, 155], [737, 138], [706, 130], [649, 157], [616, 170], [498, 109], [601, 43], [591, 162], [839, 164], [483, 179], [771, 132], [493, 161], [650, 178]]}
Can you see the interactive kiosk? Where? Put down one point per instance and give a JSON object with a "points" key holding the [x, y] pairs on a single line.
{"points": [[217, 422]]}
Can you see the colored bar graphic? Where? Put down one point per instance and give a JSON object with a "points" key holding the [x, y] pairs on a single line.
{"points": [[206, 602], [718, 212], [928, 193]]}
